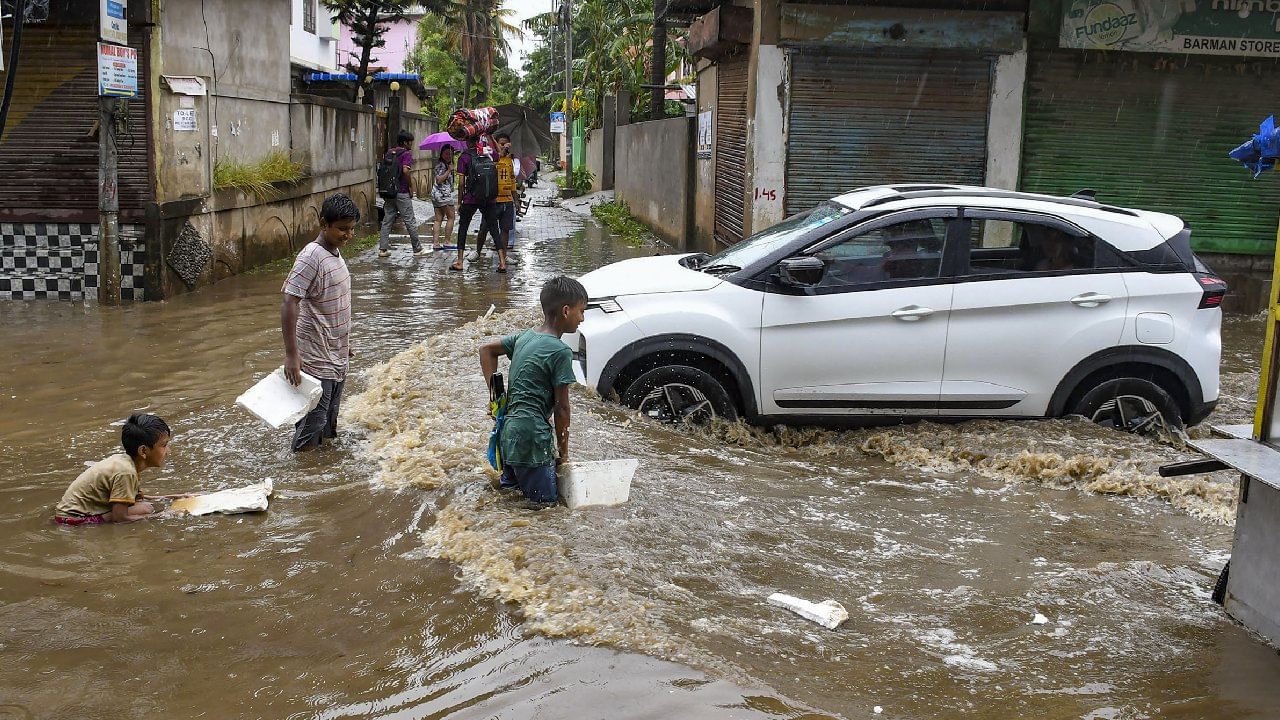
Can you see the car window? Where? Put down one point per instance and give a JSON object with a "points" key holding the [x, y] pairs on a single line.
{"points": [[1002, 247], [765, 242], [909, 250]]}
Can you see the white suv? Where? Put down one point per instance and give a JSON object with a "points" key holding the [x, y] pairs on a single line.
{"points": [[917, 301]]}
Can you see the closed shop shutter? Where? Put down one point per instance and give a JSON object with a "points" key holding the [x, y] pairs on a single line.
{"points": [[48, 154], [1152, 132], [731, 148], [857, 120]]}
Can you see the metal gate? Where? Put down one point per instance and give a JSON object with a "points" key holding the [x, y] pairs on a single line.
{"points": [[49, 151], [731, 148], [872, 119], [1153, 132]]}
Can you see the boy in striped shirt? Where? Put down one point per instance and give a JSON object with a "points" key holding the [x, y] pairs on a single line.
{"points": [[315, 319]]}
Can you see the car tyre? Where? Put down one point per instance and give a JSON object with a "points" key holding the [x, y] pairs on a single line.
{"points": [[680, 393], [1133, 405]]}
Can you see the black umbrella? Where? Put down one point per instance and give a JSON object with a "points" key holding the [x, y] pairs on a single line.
{"points": [[530, 132]]}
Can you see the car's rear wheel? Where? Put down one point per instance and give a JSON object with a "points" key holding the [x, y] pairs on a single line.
{"points": [[680, 393], [1133, 405]]}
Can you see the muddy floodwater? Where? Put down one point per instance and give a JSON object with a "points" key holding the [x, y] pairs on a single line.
{"points": [[389, 579]]}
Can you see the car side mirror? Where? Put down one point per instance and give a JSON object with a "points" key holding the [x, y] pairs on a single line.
{"points": [[801, 272]]}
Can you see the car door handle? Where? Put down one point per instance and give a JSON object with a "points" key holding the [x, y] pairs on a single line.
{"points": [[1090, 299], [911, 313]]}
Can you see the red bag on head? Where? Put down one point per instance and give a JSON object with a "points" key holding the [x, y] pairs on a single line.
{"points": [[465, 124]]}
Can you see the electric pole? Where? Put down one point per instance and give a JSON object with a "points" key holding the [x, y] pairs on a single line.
{"points": [[568, 85], [108, 204], [658, 71]]}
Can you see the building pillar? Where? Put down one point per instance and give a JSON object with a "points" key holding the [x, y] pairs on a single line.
{"points": [[767, 92], [608, 133], [1004, 120]]}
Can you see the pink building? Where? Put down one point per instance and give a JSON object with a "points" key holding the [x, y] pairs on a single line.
{"points": [[400, 38]]}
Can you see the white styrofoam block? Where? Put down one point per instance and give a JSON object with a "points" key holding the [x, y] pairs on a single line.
{"points": [[277, 403], [597, 482], [827, 613], [251, 498]]}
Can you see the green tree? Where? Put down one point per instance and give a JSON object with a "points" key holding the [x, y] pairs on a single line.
{"points": [[368, 21]]}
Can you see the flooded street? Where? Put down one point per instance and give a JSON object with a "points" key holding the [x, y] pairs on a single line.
{"points": [[389, 579]]}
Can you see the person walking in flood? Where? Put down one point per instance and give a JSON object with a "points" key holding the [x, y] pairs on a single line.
{"points": [[443, 197], [400, 206], [541, 372], [315, 319], [478, 188], [111, 490]]}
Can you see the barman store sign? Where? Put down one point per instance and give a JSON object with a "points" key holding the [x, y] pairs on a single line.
{"points": [[1200, 27]]}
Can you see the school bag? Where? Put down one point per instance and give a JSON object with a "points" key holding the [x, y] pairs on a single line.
{"points": [[389, 174], [482, 178]]}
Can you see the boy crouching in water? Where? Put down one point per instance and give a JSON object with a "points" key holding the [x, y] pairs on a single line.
{"points": [[111, 490], [540, 375]]}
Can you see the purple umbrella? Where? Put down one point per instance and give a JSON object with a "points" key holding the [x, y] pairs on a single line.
{"points": [[436, 141]]}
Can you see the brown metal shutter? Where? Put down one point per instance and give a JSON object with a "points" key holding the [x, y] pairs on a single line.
{"points": [[857, 120], [49, 157], [731, 148], [1152, 132]]}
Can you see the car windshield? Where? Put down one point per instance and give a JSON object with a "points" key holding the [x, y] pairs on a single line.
{"points": [[762, 243]]}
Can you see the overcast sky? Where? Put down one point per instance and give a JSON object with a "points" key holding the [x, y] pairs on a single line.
{"points": [[525, 9]]}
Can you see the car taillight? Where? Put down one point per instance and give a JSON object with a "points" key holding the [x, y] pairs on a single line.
{"points": [[1214, 289]]}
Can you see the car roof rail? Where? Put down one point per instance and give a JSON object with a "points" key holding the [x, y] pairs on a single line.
{"points": [[960, 191]]}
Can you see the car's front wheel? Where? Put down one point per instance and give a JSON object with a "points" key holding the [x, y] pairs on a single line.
{"points": [[680, 393], [1133, 405]]}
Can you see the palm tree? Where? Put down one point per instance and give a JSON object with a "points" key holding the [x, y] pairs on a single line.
{"points": [[478, 31]]}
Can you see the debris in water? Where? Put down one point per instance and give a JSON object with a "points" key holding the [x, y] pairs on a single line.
{"points": [[489, 313], [877, 710], [827, 613], [1039, 620], [599, 483], [276, 402], [251, 498]]}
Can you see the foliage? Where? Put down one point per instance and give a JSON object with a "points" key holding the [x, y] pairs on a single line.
{"points": [[579, 181], [368, 21], [618, 218], [258, 177], [611, 53], [440, 54]]}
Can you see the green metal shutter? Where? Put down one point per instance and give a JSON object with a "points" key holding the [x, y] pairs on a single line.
{"points": [[731, 148], [872, 119], [1152, 132]]}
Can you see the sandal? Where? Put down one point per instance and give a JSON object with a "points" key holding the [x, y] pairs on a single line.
{"points": [[455, 267], [502, 269]]}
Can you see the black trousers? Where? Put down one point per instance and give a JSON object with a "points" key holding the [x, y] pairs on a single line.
{"points": [[488, 223]]}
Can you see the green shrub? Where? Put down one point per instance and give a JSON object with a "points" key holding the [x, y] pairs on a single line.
{"points": [[258, 177], [618, 219], [579, 181]]}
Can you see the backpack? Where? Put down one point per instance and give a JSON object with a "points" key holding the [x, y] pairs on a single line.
{"points": [[482, 178], [389, 174]]}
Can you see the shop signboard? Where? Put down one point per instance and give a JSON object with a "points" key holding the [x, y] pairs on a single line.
{"points": [[117, 70], [112, 24], [1199, 27]]}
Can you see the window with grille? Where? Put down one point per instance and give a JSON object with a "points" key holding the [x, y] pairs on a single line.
{"points": [[309, 16]]}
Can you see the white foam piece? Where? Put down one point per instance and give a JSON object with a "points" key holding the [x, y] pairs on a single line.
{"points": [[251, 498], [276, 402], [828, 613], [596, 483]]}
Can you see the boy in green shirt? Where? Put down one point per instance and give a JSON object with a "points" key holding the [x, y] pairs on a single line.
{"points": [[540, 375]]}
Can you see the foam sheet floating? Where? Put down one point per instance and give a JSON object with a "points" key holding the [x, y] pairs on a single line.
{"points": [[596, 483], [251, 498], [828, 613], [276, 402]]}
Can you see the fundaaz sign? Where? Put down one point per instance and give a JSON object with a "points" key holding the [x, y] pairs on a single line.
{"points": [[1200, 27]]}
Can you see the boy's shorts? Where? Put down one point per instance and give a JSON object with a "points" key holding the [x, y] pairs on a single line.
{"points": [[506, 216], [538, 482], [85, 520], [322, 422]]}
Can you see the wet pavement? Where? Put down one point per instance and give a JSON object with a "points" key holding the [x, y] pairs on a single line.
{"points": [[390, 580]]}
